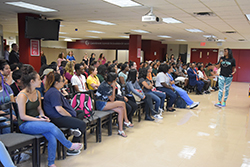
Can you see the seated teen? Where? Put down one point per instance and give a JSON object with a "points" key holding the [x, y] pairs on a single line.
{"points": [[58, 109], [157, 96], [92, 80], [180, 91], [78, 80], [101, 72], [6, 96], [16, 86], [32, 120], [194, 79], [105, 96], [123, 74], [41, 89], [203, 77], [133, 86], [162, 84], [6, 72], [210, 75]]}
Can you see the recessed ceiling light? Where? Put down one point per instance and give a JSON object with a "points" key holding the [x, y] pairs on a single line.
{"points": [[180, 40], [209, 36], [62, 25], [140, 31], [123, 3], [68, 39], [164, 36], [63, 36], [92, 36], [101, 22], [248, 16], [31, 6], [98, 32], [124, 36], [63, 33], [194, 30], [170, 20]]}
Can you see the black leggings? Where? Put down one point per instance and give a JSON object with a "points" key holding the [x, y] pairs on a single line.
{"points": [[71, 122]]}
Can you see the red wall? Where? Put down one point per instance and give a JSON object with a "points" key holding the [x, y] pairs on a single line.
{"points": [[148, 46]]}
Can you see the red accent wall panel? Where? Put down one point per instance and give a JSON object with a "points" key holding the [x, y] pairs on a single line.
{"points": [[135, 48], [24, 43]]}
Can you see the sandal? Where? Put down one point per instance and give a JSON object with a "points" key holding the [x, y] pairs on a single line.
{"points": [[128, 124], [76, 146], [122, 133]]}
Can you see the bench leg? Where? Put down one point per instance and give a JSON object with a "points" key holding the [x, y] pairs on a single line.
{"points": [[34, 154], [99, 130], [85, 140], [110, 125]]}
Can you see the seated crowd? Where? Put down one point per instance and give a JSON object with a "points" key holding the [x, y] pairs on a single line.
{"points": [[44, 103]]}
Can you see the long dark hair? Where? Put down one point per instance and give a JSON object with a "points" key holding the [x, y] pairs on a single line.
{"points": [[3, 87], [132, 75], [143, 73], [230, 53], [102, 70]]}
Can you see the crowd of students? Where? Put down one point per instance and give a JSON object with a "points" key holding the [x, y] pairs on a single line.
{"points": [[117, 87]]}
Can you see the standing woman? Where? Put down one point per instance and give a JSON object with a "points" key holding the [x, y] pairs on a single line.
{"points": [[60, 59], [227, 65], [32, 119], [92, 58], [43, 59], [70, 56], [86, 59], [102, 59]]}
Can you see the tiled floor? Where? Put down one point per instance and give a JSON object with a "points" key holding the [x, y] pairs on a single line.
{"points": [[203, 137]]}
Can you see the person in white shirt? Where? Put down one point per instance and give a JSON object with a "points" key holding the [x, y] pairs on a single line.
{"points": [[79, 80]]}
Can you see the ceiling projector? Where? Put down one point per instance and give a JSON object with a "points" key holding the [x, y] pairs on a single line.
{"points": [[150, 17]]}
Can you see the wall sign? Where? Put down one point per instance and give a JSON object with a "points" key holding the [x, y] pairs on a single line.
{"points": [[138, 52], [34, 48]]}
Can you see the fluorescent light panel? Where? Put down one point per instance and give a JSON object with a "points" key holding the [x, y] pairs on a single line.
{"points": [[31, 6], [164, 36], [124, 36], [170, 20], [248, 16], [123, 3], [221, 40], [194, 30], [63, 33], [101, 22], [93, 31], [68, 39], [180, 40], [140, 31], [208, 36], [92, 36]]}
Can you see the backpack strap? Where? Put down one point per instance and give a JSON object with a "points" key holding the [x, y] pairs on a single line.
{"points": [[77, 101], [86, 103]]}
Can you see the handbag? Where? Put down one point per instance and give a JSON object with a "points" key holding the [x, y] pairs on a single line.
{"points": [[137, 98]]}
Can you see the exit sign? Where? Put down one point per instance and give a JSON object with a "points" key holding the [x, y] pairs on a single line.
{"points": [[203, 44]]}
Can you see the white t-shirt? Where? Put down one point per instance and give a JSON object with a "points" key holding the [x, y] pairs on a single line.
{"points": [[79, 81], [200, 74], [160, 78]]}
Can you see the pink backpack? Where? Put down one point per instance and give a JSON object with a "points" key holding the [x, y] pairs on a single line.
{"points": [[83, 103]]}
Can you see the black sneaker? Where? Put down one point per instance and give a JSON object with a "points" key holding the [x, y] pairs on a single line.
{"points": [[73, 152]]}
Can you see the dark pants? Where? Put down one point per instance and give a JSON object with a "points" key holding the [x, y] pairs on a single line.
{"points": [[71, 122], [169, 93], [199, 85], [133, 105], [207, 83]]}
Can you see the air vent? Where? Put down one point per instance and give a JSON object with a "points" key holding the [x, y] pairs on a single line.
{"points": [[127, 33], [230, 32], [204, 14], [241, 39]]}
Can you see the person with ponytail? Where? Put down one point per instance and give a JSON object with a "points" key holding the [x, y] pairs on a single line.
{"points": [[58, 109], [32, 120]]}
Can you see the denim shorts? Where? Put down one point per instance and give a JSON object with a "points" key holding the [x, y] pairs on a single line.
{"points": [[100, 105]]}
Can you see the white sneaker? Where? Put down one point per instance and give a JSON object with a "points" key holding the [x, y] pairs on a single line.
{"points": [[195, 104], [158, 116], [160, 111], [76, 132]]}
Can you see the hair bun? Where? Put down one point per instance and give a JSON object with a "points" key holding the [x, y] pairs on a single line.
{"points": [[27, 69]]}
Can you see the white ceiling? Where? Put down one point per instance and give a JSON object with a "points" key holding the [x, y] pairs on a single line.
{"points": [[230, 16]]}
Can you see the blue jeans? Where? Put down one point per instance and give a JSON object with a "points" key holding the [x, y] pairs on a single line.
{"points": [[199, 84], [169, 93], [50, 132], [159, 99], [7, 129], [224, 82], [183, 95], [5, 157]]}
